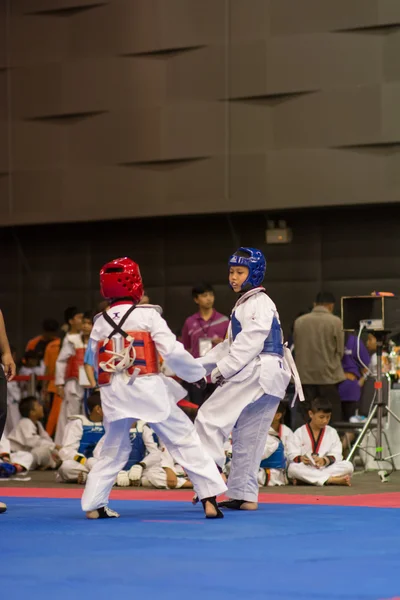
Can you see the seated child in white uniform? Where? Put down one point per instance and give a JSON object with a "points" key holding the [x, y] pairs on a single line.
{"points": [[80, 444], [30, 436], [274, 461], [12, 463], [150, 464], [315, 452]]}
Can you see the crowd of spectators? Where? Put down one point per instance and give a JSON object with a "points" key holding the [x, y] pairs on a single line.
{"points": [[47, 426]]}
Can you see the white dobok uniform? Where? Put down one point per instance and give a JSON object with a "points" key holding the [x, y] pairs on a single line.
{"points": [[33, 438], [246, 402], [21, 457], [70, 468], [73, 388], [328, 444], [151, 398], [13, 400], [156, 459], [277, 477]]}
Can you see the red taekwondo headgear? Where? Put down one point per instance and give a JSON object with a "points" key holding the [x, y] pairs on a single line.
{"points": [[121, 278]]}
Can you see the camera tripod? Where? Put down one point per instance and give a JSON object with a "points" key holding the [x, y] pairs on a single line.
{"points": [[379, 405]]}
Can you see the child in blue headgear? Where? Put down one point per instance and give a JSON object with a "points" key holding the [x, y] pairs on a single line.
{"points": [[253, 369]]}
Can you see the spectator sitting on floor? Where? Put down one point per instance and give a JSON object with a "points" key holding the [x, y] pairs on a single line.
{"points": [[315, 451], [29, 435], [273, 464], [13, 463], [80, 447], [150, 464]]}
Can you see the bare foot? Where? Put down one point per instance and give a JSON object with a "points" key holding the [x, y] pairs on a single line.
{"points": [[293, 481], [210, 510], [82, 476], [249, 506], [233, 504], [172, 479], [340, 480], [102, 513]]}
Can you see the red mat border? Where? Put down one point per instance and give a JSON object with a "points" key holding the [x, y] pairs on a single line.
{"points": [[382, 500]]}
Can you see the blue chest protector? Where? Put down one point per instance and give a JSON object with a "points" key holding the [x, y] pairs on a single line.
{"points": [[138, 449], [91, 435], [273, 343], [277, 460]]}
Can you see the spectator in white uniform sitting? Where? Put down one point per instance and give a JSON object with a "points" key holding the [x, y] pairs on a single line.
{"points": [[29, 435], [81, 443], [150, 464], [315, 452]]}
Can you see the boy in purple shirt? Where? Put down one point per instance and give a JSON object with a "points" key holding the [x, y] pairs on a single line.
{"points": [[202, 331], [350, 388]]}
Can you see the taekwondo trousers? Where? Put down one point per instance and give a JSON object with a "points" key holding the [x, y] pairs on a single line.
{"points": [[246, 411], [180, 438], [309, 474]]}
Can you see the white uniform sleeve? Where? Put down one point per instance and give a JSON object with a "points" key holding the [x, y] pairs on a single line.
{"points": [[98, 447], [287, 438], [176, 357], [256, 324], [336, 447], [271, 446], [32, 439], [71, 440], [293, 446], [154, 454], [66, 352], [209, 360], [5, 447]]}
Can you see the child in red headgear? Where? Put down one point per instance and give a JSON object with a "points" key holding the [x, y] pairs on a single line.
{"points": [[125, 341]]}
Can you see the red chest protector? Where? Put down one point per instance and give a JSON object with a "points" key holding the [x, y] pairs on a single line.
{"points": [[135, 354], [141, 354], [73, 364]]}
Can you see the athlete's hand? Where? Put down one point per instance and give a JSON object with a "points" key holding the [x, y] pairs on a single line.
{"points": [[123, 479], [217, 377], [305, 460], [201, 384], [135, 474], [9, 366]]}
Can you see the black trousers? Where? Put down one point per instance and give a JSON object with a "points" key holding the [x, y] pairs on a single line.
{"points": [[3, 401], [328, 392]]}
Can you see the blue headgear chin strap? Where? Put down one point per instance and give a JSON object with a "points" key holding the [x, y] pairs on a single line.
{"points": [[255, 262]]}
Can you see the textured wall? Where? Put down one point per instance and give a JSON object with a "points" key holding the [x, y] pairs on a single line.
{"points": [[45, 268], [125, 108]]}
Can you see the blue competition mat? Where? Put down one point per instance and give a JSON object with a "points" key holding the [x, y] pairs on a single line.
{"points": [[165, 550]]}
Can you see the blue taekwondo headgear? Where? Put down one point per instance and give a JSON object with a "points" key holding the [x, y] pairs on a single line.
{"points": [[255, 262]]}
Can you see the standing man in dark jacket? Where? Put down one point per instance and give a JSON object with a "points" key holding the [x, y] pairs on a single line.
{"points": [[319, 347]]}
